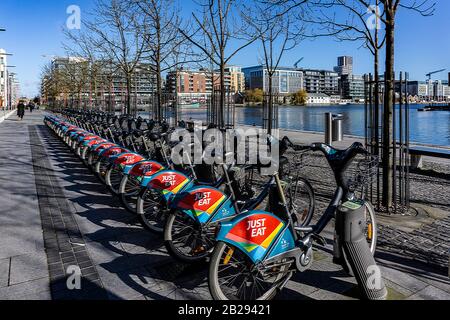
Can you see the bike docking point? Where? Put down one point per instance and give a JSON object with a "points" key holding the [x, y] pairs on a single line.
{"points": [[354, 251]]}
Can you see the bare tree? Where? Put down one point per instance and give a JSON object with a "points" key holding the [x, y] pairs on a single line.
{"points": [[216, 23], [166, 48], [51, 84], [81, 44], [356, 22], [74, 75], [278, 32], [116, 29], [387, 17]]}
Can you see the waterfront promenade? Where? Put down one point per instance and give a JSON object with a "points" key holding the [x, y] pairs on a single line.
{"points": [[54, 213]]}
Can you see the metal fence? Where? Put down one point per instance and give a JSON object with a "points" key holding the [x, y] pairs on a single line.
{"points": [[374, 114]]}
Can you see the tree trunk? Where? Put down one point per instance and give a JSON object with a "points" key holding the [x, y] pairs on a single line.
{"points": [[128, 99], [270, 105], [376, 113], [221, 121], [388, 160], [158, 69], [159, 93]]}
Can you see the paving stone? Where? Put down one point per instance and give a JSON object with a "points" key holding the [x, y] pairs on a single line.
{"points": [[25, 289], [4, 272], [27, 268], [403, 279], [139, 242], [395, 291], [104, 252], [40, 296], [127, 284], [430, 293], [329, 296]]}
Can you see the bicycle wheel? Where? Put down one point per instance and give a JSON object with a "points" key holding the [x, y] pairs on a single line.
{"points": [[186, 240], [92, 160], [301, 199], [101, 168], [233, 276], [84, 155], [113, 179], [371, 229], [129, 191], [151, 209]]}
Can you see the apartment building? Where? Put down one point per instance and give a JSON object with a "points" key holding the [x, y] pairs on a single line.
{"points": [[109, 88], [321, 81], [3, 79], [285, 81]]}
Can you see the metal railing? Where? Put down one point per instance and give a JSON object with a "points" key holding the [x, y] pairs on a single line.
{"points": [[374, 130]]}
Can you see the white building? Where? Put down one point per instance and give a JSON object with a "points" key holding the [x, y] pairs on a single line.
{"points": [[13, 90], [446, 91], [318, 99], [3, 79]]}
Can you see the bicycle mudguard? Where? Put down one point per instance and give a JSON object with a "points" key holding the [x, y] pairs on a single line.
{"points": [[70, 129], [114, 151], [204, 204], [86, 138], [126, 159], [102, 146], [144, 169], [93, 142], [75, 135], [260, 235], [168, 182]]}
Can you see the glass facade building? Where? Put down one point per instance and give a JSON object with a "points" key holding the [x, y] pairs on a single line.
{"points": [[285, 81]]}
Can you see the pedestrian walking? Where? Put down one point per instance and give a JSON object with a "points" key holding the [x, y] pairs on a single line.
{"points": [[21, 109], [31, 106]]}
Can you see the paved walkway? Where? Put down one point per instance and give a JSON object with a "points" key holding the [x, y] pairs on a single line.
{"points": [[55, 214], [23, 264]]}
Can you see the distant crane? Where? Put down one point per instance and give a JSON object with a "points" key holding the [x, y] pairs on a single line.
{"points": [[297, 63], [434, 72]]}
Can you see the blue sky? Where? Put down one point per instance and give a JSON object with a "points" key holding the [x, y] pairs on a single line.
{"points": [[34, 29]]}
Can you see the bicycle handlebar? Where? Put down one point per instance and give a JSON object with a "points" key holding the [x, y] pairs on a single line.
{"points": [[296, 147]]}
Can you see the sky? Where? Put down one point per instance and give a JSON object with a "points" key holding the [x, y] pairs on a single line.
{"points": [[34, 35]]}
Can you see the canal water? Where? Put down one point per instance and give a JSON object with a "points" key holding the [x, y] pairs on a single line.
{"points": [[431, 128]]}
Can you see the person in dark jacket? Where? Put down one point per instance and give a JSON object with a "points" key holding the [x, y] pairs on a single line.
{"points": [[31, 106], [21, 109]]}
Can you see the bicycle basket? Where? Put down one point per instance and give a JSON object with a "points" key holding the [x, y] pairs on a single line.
{"points": [[243, 181], [293, 168], [364, 173]]}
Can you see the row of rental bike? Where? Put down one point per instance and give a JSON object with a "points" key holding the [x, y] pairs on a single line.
{"points": [[255, 231]]}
